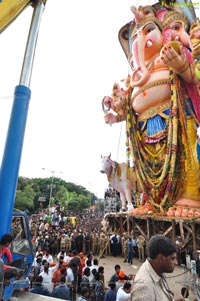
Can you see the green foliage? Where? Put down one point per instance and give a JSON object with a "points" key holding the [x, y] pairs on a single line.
{"points": [[68, 195], [25, 199]]}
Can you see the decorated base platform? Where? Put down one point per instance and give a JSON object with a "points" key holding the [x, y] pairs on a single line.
{"points": [[185, 232]]}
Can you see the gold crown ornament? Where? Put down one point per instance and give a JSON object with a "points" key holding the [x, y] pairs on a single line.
{"points": [[172, 16]]}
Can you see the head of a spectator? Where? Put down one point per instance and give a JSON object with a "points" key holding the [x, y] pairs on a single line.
{"points": [[39, 260], [64, 272], [38, 280], [81, 254], [44, 261], [85, 293], [162, 254], [86, 271], [112, 285], [46, 267], [127, 287], [39, 255], [74, 253], [101, 270], [6, 240], [93, 272], [62, 279], [61, 258], [117, 269], [90, 255], [97, 276], [95, 261], [64, 265], [88, 263], [47, 253]]}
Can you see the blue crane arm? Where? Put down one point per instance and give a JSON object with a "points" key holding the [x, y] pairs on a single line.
{"points": [[15, 135]]}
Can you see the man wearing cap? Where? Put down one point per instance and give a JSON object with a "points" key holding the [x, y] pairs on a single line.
{"points": [[115, 277], [121, 281]]}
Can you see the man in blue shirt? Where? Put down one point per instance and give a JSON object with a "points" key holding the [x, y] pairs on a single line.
{"points": [[111, 294], [115, 277], [39, 288], [61, 291], [130, 251]]}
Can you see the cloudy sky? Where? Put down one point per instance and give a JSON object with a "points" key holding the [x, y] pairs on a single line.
{"points": [[78, 58]]}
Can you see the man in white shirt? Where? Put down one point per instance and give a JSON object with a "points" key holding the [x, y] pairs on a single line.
{"points": [[69, 277], [47, 275], [124, 293], [70, 281], [48, 257], [68, 257], [95, 265]]}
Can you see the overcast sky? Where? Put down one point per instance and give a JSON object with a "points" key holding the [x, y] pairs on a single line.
{"points": [[78, 58]]}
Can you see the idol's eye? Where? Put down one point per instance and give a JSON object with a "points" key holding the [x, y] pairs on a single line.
{"points": [[149, 28], [176, 26], [147, 12]]}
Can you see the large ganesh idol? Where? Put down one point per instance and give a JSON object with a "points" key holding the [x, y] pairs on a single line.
{"points": [[161, 107]]}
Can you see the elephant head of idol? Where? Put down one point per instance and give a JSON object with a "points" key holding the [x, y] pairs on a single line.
{"points": [[195, 38], [147, 41], [175, 28]]}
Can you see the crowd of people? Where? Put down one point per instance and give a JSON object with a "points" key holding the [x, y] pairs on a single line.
{"points": [[70, 248], [68, 252], [55, 231]]}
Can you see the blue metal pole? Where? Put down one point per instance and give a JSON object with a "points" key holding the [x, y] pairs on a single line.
{"points": [[15, 135], [12, 156]]}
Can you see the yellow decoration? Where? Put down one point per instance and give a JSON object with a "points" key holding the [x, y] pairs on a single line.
{"points": [[9, 10]]}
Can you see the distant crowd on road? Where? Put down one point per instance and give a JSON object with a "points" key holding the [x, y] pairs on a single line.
{"points": [[83, 233]]}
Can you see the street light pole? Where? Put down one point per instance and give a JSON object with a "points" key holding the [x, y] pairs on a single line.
{"points": [[51, 185]]}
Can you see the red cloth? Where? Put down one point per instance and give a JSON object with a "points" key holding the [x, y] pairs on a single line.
{"points": [[6, 252]]}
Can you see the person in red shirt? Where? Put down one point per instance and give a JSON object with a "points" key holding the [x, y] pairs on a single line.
{"points": [[10, 270], [59, 272], [80, 269], [5, 253]]}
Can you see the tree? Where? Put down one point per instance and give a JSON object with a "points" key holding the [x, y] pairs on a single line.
{"points": [[66, 194], [25, 199], [61, 196]]}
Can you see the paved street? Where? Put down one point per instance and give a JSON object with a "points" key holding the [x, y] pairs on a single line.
{"points": [[175, 279]]}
